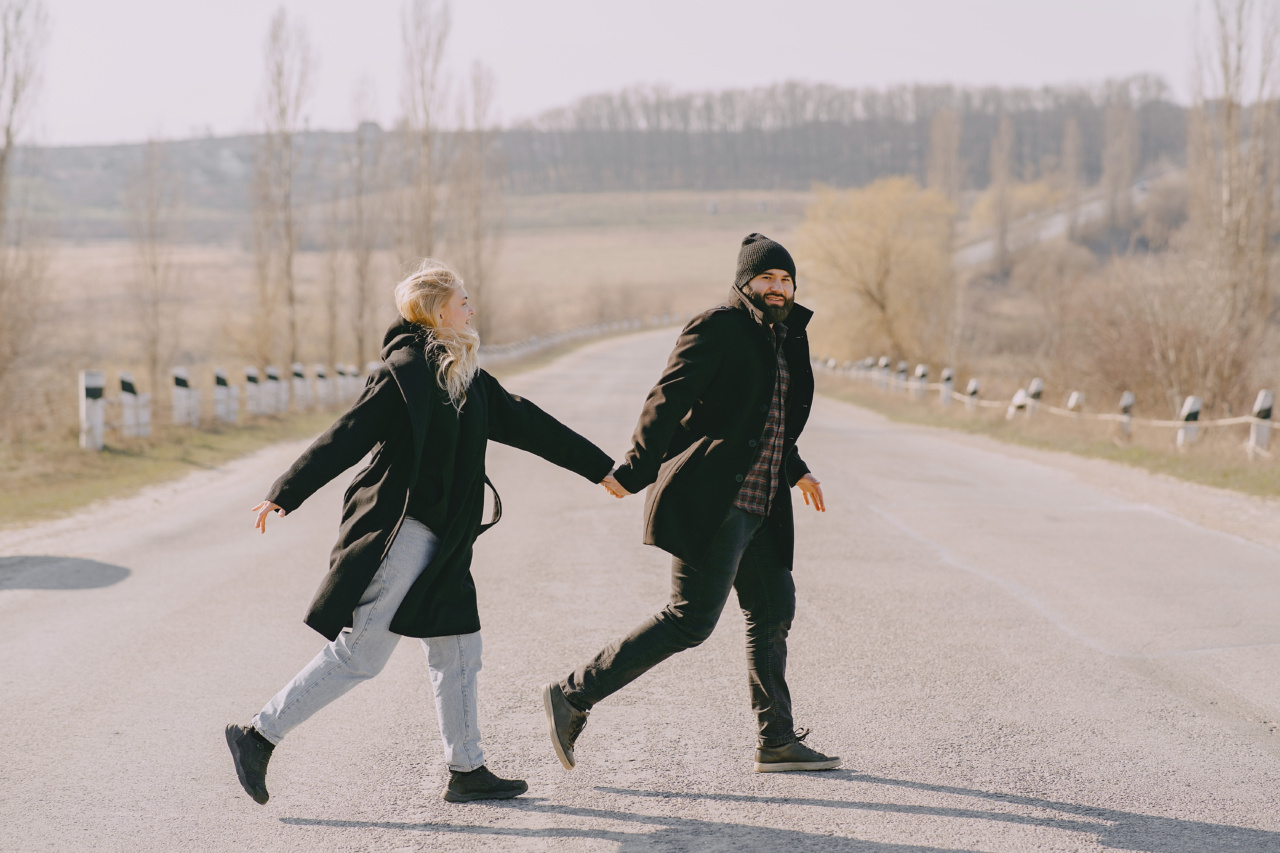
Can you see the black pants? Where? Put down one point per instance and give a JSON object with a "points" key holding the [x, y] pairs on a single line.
{"points": [[741, 556]]}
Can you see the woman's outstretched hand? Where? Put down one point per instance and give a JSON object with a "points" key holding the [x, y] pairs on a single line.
{"points": [[810, 488], [614, 487], [262, 509]]}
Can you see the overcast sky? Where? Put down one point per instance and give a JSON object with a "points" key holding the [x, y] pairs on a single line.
{"points": [[123, 70]]}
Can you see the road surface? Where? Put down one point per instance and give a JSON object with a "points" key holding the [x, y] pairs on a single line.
{"points": [[1011, 651]]}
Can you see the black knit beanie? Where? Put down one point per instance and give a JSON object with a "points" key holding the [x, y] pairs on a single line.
{"points": [[760, 254]]}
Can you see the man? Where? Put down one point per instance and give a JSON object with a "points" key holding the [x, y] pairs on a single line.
{"points": [[716, 444]]}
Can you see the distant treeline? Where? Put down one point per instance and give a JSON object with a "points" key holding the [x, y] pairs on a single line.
{"points": [[790, 135], [781, 137]]}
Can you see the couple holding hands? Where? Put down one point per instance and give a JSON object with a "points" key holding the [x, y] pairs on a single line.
{"points": [[715, 444]]}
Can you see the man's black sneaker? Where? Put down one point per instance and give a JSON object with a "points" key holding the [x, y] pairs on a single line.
{"points": [[793, 756], [480, 784], [564, 721], [251, 752]]}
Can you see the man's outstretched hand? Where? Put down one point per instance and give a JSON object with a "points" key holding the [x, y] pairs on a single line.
{"points": [[614, 487], [810, 488]]}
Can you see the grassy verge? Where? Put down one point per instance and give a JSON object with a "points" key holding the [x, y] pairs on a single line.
{"points": [[51, 479], [1216, 460], [56, 477]]}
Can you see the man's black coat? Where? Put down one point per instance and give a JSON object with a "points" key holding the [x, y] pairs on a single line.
{"points": [[390, 419], [702, 423]]}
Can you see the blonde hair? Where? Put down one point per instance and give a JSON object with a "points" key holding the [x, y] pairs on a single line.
{"points": [[420, 298]]}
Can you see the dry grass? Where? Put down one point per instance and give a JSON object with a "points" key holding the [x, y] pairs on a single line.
{"points": [[566, 261], [1215, 460]]}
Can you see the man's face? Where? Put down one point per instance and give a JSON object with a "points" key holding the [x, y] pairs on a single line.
{"points": [[773, 292]]}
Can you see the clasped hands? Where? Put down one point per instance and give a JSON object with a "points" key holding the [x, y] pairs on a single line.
{"points": [[809, 486]]}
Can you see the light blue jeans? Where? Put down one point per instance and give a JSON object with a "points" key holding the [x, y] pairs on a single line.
{"points": [[362, 651]]}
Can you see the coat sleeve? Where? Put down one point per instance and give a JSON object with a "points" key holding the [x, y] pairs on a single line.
{"points": [[795, 467], [692, 364], [344, 444], [517, 422]]}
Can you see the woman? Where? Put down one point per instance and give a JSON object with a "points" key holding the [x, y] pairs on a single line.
{"points": [[401, 566]]}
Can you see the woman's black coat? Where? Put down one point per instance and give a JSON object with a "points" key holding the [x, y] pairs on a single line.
{"points": [[702, 423], [390, 419]]}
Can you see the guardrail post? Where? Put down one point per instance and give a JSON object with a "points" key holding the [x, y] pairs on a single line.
{"points": [[277, 397], [948, 381], [922, 381], [226, 398], [900, 378], [1019, 403], [135, 409], [1075, 402], [324, 391], [884, 372], [186, 400], [1260, 430], [301, 388], [252, 391], [1189, 415], [971, 395], [93, 408], [1126, 413], [1034, 392]]}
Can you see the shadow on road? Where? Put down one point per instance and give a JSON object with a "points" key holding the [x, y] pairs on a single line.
{"points": [[670, 833], [58, 573], [1112, 828]]}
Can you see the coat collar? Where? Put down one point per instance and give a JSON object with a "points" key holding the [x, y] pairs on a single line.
{"points": [[796, 321]]}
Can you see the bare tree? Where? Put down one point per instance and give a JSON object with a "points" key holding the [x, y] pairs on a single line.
{"points": [[944, 174], [287, 88], [1119, 160], [424, 31], [334, 257], [365, 220], [1072, 172], [24, 33], [153, 200], [882, 256], [475, 197], [1001, 191]]}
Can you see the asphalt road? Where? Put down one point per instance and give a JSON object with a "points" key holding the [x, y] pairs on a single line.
{"points": [[1009, 653]]}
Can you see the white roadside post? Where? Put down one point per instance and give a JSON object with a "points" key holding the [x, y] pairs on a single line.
{"points": [[1260, 430], [1021, 400], [1034, 392], [324, 398], [301, 388], [900, 378], [1189, 415], [340, 380], [1126, 413], [186, 400], [922, 381], [884, 372], [93, 408], [128, 405], [226, 398], [971, 395], [252, 391], [277, 398], [948, 385], [354, 383], [1075, 402]]}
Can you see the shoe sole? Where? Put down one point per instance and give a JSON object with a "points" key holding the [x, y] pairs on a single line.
{"points": [[240, 774], [451, 797], [785, 766], [565, 759]]}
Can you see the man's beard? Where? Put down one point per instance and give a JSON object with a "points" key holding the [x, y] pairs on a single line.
{"points": [[772, 313]]}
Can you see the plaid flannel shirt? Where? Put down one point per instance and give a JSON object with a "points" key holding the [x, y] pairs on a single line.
{"points": [[761, 483]]}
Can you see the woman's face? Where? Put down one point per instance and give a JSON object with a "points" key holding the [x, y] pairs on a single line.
{"points": [[457, 313]]}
